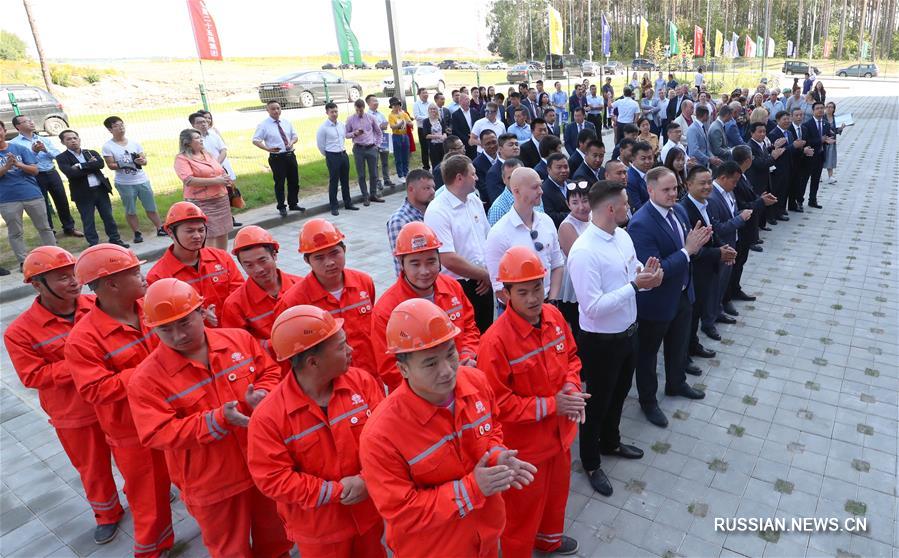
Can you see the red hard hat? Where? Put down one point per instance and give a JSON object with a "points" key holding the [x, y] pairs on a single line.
{"points": [[520, 264], [417, 324], [319, 234], [169, 299], [252, 235], [43, 259], [299, 328], [183, 211], [103, 260], [415, 237]]}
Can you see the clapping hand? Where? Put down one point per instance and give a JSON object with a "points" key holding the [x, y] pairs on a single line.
{"points": [[697, 237], [522, 471], [354, 490], [769, 199], [651, 275], [808, 151], [728, 255], [746, 214], [572, 403], [780, 142], [233, 416], [492, 480], [255, 396]]}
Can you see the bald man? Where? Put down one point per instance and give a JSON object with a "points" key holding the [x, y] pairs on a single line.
{"points": [[523, 226]]}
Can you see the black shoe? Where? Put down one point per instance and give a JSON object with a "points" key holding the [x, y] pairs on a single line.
{"points": [[756, 248], [236, 223], [702, 352], [792, 207], [772, 221], [350, 207], [138, 238], [655, 416], [105, 533], [376, 199], [685, 391], [3, 272], [693, 370], [740, 295], [625, 451], [759, 241], [388, 182], [282, 211], [366, 202], [783, 218], [725, 319], [600, 482], [119, 242], [798, 209], [73, 232], [729, 309], [161, 232], [334, 212], [815, 204], [764, 228], [711, 332], [568, 546]]}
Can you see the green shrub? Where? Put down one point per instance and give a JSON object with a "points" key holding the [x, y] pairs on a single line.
{"points": [[60, 76]]}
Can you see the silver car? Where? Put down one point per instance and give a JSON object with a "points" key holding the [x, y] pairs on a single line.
{"points": [[589, 68], [415, 78]]}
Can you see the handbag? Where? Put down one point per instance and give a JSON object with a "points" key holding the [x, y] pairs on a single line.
{"points": [[235, 198]]}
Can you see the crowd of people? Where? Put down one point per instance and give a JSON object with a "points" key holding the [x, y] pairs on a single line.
{"points": [[536, 280]]}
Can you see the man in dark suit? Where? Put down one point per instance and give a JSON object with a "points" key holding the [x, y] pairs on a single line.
{"points": [[641, 162], [674, 105], [759, 172], [706, 262], [552, 125], [628, 132], [573, 130], [591, 169], [728, 222], [530, 149], [659, 229], [802, 161], [781, 136], [749, 239], [463, 119], [555, 198], [548, 145], [485, 160], [88, 187], [508, 149], [576, 157], [818, 134]]}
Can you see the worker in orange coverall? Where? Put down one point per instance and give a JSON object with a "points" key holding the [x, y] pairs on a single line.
{"points": [[304, 439], [530, 358], [192, 398], [432, 454], [346, 293], [102, 351], [35, 342], [420, 277]]}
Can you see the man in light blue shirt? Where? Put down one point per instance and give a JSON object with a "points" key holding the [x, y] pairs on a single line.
{"points": [[520, 128], [48, 178], [595, 105], [559, 100], [773, 104], [331, 142], [454, 106]]}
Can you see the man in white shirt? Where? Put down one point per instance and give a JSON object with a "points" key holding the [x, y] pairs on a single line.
{"points": [[675, 134], [458, 219], [624, 111], [384, 147], [522, 226], [331, 142], [489, 122], [606, 276], [420, 114], [277, 137]]}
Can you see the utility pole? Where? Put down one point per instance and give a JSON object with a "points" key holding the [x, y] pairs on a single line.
{"points": [[811, 46], [399, 89], [45, 69], [590, 29], [570, 28], [767, 23], [707, 35]]}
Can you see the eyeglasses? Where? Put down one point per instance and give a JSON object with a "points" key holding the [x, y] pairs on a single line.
{"points": [[538, 246], [490, 111], [582, 185]]}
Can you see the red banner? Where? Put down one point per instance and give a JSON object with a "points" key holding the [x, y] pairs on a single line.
{"points": [[205, 33], [698, 41]]}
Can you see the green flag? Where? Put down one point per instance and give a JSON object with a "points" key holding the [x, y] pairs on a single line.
{"points": [[347, 42], [672, 39]]}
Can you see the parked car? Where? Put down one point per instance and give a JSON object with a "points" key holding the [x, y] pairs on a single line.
{"points": [[408, 63], [46, 111], [496, 65], [447, 64], [309, 87], [383, 65], [643, 64], [523, 73], [613, 67], [329, 66], [427, 64], [562, 67], [414, 78], [465, 65], [798, 67], [535, 63], [859, 70], [589, 68], [362, 66]]}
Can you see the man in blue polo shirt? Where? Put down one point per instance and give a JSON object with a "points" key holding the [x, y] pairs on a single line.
{"points": [[20, 193]]}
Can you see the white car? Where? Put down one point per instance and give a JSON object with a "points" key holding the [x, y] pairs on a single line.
{"points": [[414, 78], [498, 65]]}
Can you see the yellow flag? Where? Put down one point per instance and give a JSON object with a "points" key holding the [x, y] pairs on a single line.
{"points": [[555, 31], [719, 43], [644, 33]]}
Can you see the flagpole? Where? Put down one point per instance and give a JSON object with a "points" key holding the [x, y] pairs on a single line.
{"points": [[767, 36], [590, 30], [811, 46], [199, 60]]}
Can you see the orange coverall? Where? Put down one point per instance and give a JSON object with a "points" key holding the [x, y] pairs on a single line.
{"points": [[36, 342], [418, 462], [298, 453], [102, 354], [177, 405], [215, 277], [449, 296], [251, 308], [527, 366], [355, 306]]}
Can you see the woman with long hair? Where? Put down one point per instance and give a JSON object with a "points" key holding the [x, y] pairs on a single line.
{"points": [[830, 149], [818, 93], [676, 160], [206, 185], [646, 134]]}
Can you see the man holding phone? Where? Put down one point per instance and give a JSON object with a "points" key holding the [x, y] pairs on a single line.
{"points": [[278, 137]]}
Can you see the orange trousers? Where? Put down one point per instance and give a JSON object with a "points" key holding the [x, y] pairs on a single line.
{"points": [[91, 456], [366, 545], [226, 527], [147, 487], [535, 515]]}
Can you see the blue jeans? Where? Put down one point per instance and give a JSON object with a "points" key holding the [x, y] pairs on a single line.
{"points": [[401, 154]]}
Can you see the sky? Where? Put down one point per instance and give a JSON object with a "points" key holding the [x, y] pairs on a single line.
{"points": [[103, 29]]}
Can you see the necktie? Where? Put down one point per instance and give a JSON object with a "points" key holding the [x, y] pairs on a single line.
{"points": [[820, 129], [579, 128], [673, 224], [798, 132], [283, 135]]}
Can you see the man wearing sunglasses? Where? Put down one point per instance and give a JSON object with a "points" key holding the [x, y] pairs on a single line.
{"points": [[523, 226]]}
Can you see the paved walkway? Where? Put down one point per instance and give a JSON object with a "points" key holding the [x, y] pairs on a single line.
{"points": [[800, 418]]}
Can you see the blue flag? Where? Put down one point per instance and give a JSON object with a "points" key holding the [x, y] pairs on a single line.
{"points": [[606, 37]]}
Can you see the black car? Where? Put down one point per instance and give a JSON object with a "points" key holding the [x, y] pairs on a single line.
{"points": [[798, 67], [643, 64], [309, 87], [526, 73], [329, 66], [383, 65], [447, 64], [362, 66], [46, 111]]}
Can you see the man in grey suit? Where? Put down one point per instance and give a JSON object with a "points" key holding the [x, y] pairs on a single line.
{"points": [[718, 142], [698, 140]]}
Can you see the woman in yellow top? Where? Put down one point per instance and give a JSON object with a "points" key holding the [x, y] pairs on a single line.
{"points": [[205, 185], [646, 135], [399, 120]]}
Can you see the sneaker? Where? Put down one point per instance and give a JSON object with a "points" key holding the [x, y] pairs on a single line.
{"points": [[138, 238], [119, 242], [832, 180], [388, 182], [3, 272], [161, 232], [105, 533], [568, 546]]}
